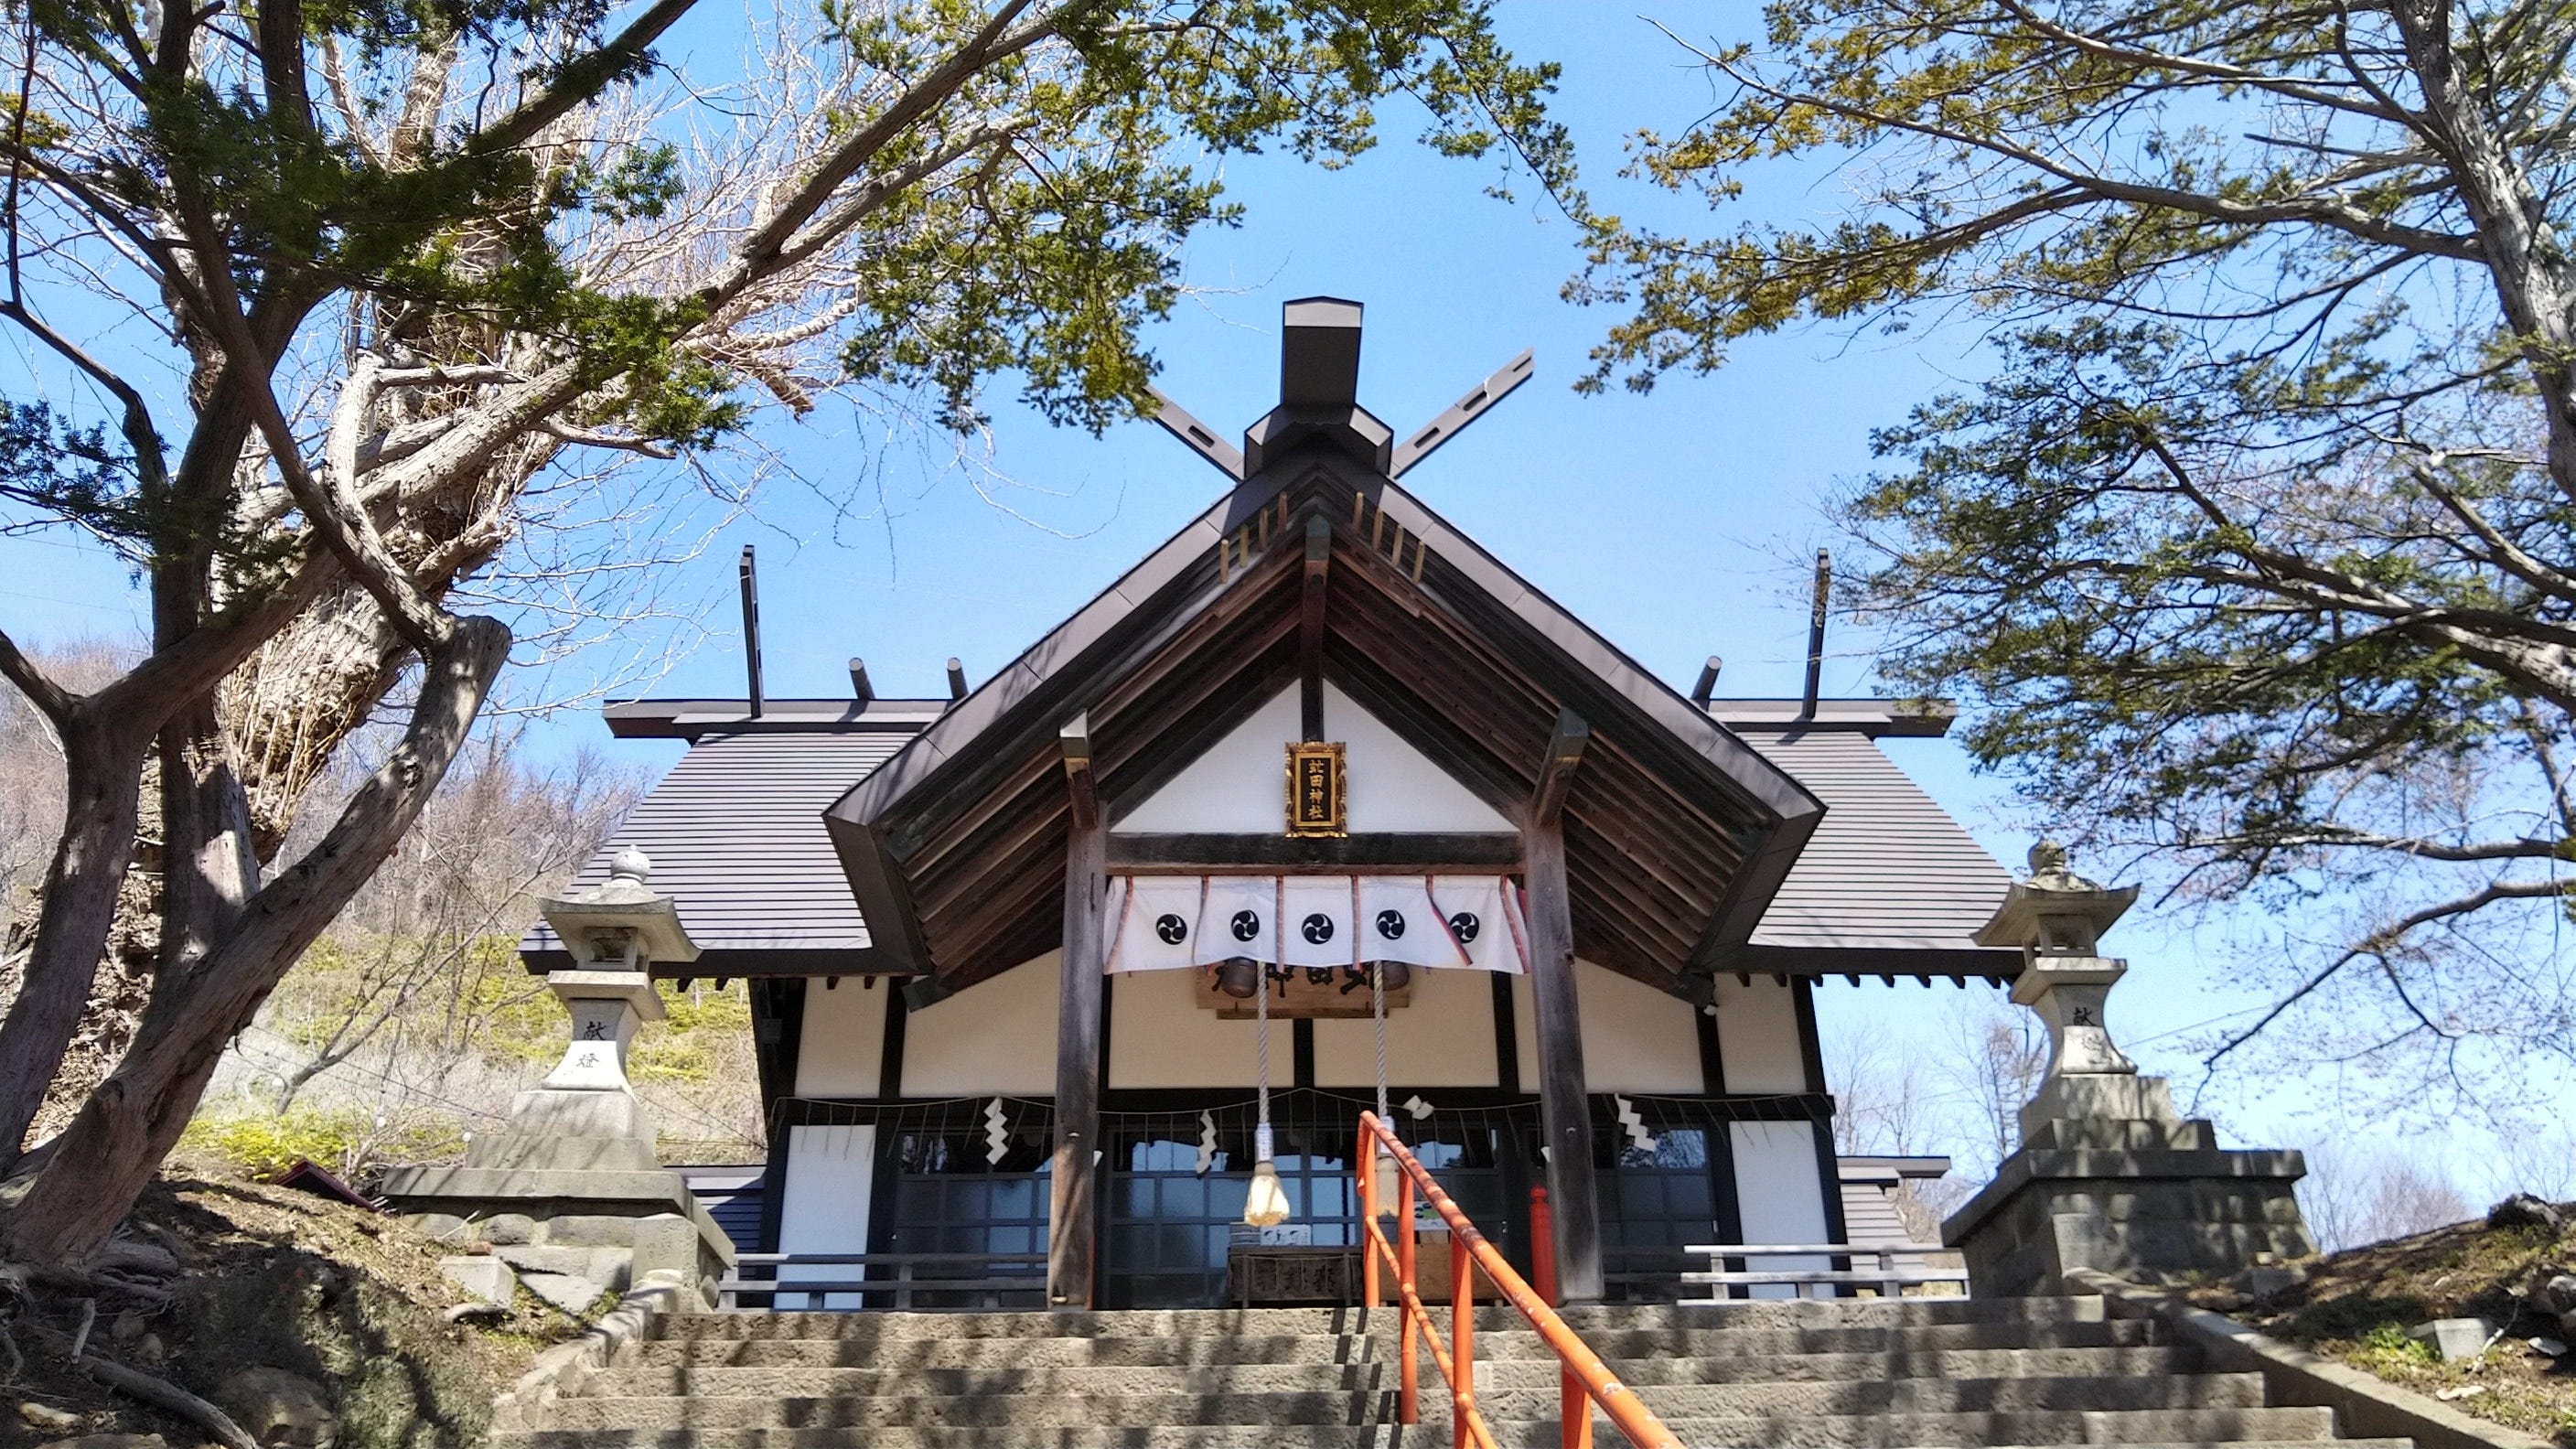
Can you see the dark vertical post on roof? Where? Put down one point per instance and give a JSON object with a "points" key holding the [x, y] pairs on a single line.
{"points": [[1319, 353], [1565, 1113], [1310, 628], [1816, 634], [1707, 685], [1072, 1210], [956, 678], [860, 689], [751, 627]]}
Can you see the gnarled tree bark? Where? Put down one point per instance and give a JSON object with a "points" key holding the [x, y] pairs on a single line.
{"points": [[102, 1163]]}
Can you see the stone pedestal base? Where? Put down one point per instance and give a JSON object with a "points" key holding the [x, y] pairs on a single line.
{"points": [[2135, 1191], [572, 1195]]}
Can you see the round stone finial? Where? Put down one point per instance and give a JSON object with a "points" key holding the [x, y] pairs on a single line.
{"points": [[2047, 857], [632, 864]]}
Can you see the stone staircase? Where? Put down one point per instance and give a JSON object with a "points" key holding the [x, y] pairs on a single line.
{"points": [[1849, 1375]]}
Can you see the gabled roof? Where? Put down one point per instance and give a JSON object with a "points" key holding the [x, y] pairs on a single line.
{"points": [[1888, 884], [1677, 831], [950, 821], [735, 834]]}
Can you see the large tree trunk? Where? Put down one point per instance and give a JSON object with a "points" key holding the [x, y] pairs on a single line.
{"points": [[102, 1163], [103, 769]]}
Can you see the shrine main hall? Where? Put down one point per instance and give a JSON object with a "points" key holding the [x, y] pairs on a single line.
{"points": [[1318, 806]]}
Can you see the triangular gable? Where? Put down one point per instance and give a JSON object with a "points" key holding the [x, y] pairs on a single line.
{"points": [[1236, 784], [1677, 831]]}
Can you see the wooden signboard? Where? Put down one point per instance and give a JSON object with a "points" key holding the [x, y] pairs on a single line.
{"points": [[1295, 991], [1318, 790]]}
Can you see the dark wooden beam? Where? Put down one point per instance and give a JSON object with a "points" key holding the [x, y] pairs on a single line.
{"points": [[1310, 627], [1079, 783], [1071, 1222], [1270, 854], [1556, 770], [1564, 1112]]}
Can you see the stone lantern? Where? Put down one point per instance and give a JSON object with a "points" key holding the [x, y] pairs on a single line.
{"points": [[2057, 919], [570, 1193], [2108, 1177]]}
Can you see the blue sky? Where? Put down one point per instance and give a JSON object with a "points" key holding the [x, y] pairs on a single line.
{"points": [[1680, 524]]}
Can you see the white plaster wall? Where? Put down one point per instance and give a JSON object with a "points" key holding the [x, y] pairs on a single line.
{"points": [[841, 1043], [1239, 786], [1778, 1195], [997, 1036], [831, 1173], [1443, 1038], [1635, 1038], [1757, 1036], [1158, 1037]]}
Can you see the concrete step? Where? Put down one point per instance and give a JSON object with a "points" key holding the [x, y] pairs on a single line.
{"points": [[1941, 1430], [995, 1353], [1965, 1363], [1205, 1347], [1620, 1345], [1907, 1396], [1289, 1436], [887, 1327], [1029, 1413], [1013, 1372], [1140, 1323], [1149, 1398], [1016, 1378], [1237, 1436]]}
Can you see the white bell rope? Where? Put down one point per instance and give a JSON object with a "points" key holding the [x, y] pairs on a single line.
{"points": [[1385, 1168], [1265, 1205]]}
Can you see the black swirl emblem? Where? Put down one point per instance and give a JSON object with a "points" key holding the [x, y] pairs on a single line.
{"points": [[1390, 924], [1247, 925], [1317, 928], [1171, 928], [1465, 926]]}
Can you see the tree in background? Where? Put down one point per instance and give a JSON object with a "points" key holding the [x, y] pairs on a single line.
{"points": [[430, 271], [2353, 1199], [2256, 551]]}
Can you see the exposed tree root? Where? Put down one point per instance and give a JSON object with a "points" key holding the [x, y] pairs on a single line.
{"points": [[160, 1393]]}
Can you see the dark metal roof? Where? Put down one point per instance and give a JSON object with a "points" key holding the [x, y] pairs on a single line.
{"points": [[1888, 883], [735, 832]]}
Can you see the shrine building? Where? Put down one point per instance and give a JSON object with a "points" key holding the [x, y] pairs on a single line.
{"points": [[1318, 807]]}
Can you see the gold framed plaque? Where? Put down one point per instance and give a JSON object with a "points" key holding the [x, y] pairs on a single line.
{"points": [[1318, 789]]}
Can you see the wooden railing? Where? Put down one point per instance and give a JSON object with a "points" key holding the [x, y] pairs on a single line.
{"points": [[1584, 1381], [904, 1282], [1890, 1279]]}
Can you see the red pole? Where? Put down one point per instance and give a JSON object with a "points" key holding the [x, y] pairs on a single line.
{"points": [[1408, 1411], [1462, 1333], [1368, 1216], [1543, 1247]]}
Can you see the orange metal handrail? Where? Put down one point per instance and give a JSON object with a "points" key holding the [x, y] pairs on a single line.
{"points": [[1585, 1376]]}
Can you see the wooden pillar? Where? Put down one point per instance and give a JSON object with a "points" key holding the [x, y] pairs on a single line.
{"points": [[1564, 1111], [1072, 1222]]}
